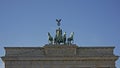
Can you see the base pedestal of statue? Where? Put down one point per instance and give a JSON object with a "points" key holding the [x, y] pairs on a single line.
{"points": [[60, 50]]}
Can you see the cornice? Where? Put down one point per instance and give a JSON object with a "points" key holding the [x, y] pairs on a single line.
{"points": [[27, 58]]}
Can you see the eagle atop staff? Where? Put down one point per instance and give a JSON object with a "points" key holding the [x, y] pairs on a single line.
{"points": [[58, 21]]}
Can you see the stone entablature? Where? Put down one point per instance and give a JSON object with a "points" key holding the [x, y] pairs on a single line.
{"points": [[59, 50], [59, 56], [59, 64]]}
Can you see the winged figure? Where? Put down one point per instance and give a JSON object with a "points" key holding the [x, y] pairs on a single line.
{"points": [[58, 21]]}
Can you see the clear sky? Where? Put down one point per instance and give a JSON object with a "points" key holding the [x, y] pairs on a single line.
{"points": [[26, 22]]}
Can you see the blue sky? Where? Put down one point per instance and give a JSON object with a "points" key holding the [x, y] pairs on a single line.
{"points": [[26, 22]]}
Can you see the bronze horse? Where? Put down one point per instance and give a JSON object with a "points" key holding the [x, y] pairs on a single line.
{"points": [[50, 38], [70, 39]]}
